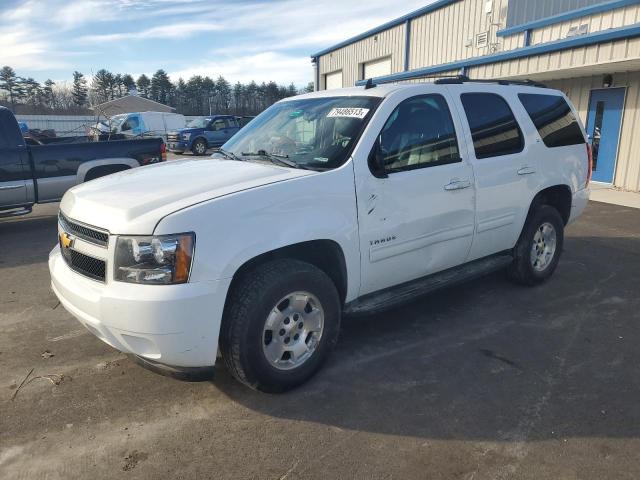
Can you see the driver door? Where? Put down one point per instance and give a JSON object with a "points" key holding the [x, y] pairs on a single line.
{"points": [[215, 132], [419, 218]]}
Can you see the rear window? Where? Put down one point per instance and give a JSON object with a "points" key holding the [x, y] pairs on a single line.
{"points": [[553, 118], [494, 129]]}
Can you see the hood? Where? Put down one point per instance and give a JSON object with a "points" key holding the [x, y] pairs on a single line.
{"points": [[134, 201], [188, 130]]}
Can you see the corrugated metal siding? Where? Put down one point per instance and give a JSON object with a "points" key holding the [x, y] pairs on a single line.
{"points": [[579, 91], [389, 43], [523, 11], [442, 36], [64, 125], [608, 52], [601, 21]]}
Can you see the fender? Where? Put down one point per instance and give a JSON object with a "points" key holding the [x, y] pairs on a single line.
{"points": [[85, 167]]}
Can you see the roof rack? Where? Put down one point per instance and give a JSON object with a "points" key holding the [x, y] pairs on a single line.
{"points": [[460, 79]]}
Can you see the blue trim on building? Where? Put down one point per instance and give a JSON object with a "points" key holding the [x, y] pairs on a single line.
{"points": [[386, 26], [565, 43], [563, 17]]}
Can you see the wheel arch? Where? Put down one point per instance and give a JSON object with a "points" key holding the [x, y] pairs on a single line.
{"points": [[327, 255], [556, 196], [85, 168]]}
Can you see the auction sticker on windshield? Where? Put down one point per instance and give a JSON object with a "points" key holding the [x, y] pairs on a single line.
{"points": [[347, 112]]}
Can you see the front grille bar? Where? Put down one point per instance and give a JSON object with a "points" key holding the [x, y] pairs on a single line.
{"points": [[90, 234]]}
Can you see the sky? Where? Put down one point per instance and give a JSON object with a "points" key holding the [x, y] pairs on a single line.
{"points": [[242, 40]]}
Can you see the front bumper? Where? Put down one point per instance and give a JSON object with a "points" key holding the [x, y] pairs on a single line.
{"points": [[177, 146], [175, 325]]}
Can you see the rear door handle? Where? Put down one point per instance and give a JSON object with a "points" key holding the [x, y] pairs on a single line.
{"points": [[526, 171], [457, 185]]}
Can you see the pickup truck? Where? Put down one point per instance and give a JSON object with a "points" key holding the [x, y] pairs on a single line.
{"points": [[32, 174], [335, 202], [203, 133]]}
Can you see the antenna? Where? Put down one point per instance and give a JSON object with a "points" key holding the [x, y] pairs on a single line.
{"points": [[369, 84]]}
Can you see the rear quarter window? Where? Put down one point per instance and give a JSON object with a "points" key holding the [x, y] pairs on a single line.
{"points": [[552, 116]]}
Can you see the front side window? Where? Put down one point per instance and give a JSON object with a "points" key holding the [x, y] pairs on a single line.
{"points": [[199, 122], [494, 129], [218, 125], [314, 133], [552, 116], [419, 133]]}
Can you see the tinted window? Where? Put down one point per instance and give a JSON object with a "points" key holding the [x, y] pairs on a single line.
{"points": [[419, 133], [553, 118], [493, 127]]}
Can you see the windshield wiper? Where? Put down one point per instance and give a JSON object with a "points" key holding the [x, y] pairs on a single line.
{"points": [[230, 155], [273, 157]]}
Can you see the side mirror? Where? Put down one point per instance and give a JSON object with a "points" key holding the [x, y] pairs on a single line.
{"points": [[376, 161]]}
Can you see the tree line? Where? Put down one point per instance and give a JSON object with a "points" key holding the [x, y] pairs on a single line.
{"points": [[199, 95]]}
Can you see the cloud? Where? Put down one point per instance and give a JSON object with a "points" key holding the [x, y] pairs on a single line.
{"points": [[172, 31]]}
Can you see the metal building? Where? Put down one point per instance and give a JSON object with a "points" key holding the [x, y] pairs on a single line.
{"points": [[590, 49]]}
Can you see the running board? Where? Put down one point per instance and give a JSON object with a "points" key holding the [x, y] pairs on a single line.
{"points": [[394, 296], [15, 213]]}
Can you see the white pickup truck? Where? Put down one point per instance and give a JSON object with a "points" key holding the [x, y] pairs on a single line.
{"points": [[334, 202]]}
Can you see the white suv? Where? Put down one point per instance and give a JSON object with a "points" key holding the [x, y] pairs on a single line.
{"points": [[334, 202]]}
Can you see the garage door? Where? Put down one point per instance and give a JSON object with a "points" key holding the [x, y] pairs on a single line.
{"points": [[377, 68], [333, 80]]}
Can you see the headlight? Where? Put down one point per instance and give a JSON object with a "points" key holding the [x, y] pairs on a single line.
{"points": [[186, 136], [158, 260]]}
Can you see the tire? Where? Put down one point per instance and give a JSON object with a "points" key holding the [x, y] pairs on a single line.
{"points": [[262, 295], [199, 147], [535, 259]]}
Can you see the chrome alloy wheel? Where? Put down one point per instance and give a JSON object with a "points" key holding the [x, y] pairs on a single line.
{"points": [[200, 148], [544, 247], [293, 330]]}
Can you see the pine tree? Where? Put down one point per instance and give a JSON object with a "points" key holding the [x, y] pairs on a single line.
{"points": [[161, 87], [79, 89], [48, 95], [143, 83], [9, 82], [102, 85]]}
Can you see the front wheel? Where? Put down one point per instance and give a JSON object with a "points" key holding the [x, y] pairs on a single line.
{"points": [[280, 323], [199, 147], [539, 247]]}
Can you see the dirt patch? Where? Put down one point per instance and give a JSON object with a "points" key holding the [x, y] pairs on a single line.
{"points": [[132, 459]]}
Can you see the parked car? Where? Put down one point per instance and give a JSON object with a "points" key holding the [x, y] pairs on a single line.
{"points": [[203, 133], [37, 173], [148, 124], [342, 201]]}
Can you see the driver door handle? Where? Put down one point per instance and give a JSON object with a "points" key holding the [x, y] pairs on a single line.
{"points": [[526, 171], [457, 185]]}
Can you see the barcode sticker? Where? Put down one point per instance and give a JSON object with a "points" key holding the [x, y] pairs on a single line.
{"points": [[348, 112]]}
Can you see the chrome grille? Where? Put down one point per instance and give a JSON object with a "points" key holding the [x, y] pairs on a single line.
{"points": [[84, 264], [173, 137], [91, 235]]}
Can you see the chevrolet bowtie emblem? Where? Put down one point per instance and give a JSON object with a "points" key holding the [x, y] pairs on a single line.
{"points": [[66, 240]]}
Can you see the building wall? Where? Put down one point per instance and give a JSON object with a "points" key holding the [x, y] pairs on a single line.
{"points": [[602, 56], [523, 11], [579, 91], [618, 17], [443, 36], [349, 58]]}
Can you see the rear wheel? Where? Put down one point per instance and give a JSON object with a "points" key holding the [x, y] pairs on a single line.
{"points": [[199, 147], [280, 323], [539, 247]]}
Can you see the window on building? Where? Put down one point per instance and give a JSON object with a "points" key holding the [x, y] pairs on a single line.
{"points": [[553, 118], [494, 129], [418, 134]]}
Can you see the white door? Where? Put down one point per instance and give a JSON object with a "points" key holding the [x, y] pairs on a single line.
{"points": [[505, 169], [420, 218], [377, 68], [333, 80]]}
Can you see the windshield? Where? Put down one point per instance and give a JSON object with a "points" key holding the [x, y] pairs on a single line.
{"points": [[117, 120], [200, 122], [315, 133]]}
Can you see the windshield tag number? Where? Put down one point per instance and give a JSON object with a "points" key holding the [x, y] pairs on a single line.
{"points": [[346, 112]]}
